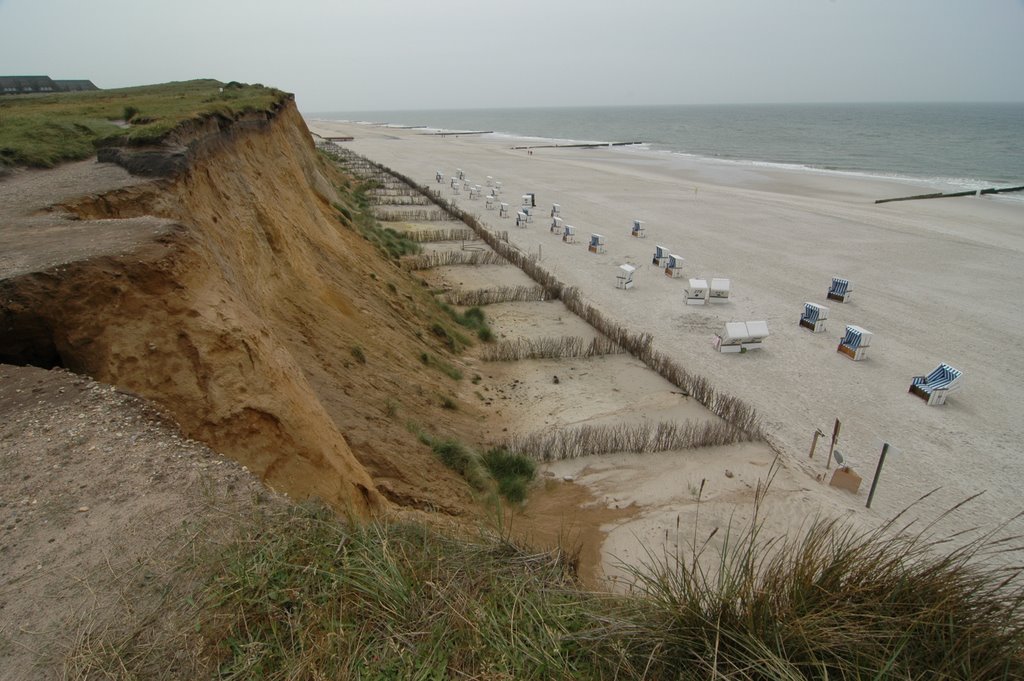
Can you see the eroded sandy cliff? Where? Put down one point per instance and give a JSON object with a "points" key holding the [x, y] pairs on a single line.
{"points": [[239, 309]]}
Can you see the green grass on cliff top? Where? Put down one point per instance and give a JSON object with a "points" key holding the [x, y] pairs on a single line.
{"points": [[43, 130]]}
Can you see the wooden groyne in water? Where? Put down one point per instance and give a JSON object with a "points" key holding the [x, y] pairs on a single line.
{"points": [[458, 132], [583, 145], [947, 195]]}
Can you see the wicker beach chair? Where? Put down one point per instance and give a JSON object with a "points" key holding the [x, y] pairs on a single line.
{"points": [[841, 290], [814, 317], [854, 344], [936, 386]]}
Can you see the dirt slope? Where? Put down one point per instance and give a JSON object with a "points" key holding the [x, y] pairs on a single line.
{"points": [[240, 313]]}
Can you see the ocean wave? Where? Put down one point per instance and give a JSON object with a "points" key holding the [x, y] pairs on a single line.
{"points": [[939, 183]]}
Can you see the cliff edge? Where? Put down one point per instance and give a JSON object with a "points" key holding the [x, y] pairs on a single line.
{"points": [[229, 292]]}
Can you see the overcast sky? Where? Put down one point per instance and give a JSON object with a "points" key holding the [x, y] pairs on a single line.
{"points": [[352, 55]]}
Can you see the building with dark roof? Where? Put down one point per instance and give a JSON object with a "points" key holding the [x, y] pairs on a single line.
{"points": [[26, 85]]}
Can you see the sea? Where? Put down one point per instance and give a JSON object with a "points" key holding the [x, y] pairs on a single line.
{"points": [[951, 146]]}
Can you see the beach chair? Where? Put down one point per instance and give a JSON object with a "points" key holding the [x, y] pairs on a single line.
{"points": [[814, 317], [497, 187], [674, 266], [474, 192], [529, 200], [456, 188], [841, 290], [660, 258], [855, 343], [697, 293], [555, 209], [624, 277], [638, 229], [521, 219], [596, 244], [528, 212], [439, 177], [490, 181], [569, 235], [489, 202], [454, 183], [556, 225], [459, 174], [719, 290], [934, 387], [503, 210], [741, 336]]}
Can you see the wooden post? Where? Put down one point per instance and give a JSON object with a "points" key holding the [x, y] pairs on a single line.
{"points": [[878, 471], [814, 442], [835, 437]]}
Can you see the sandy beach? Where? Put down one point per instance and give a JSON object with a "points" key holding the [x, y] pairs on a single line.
{"points": [[935, 281]]}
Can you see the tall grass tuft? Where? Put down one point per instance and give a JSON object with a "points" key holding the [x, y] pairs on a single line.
{"points": [[303, 596], [512, 472], [830, 603]]}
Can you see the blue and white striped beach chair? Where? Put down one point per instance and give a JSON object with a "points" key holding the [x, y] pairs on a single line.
{"points": [[660, 256], [854, 344], [674, 266], [934, 387], [841, 290], [814, 317]]}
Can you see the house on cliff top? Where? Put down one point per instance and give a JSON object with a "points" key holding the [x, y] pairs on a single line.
{"points": [[26, 85]]}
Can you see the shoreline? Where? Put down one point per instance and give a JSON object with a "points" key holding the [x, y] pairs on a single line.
{"points": [[780, 236], [932, 182]]}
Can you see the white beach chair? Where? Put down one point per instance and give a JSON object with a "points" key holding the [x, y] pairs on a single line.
{"points": [[521, 219], [841, 290], [697, 293], [439, 177], [596, 244], [555, 209], [490, 181], [741, 336], [854, 344], [556, 225], [489, 202], [497, 187], [719, 290], [624, 277], [529, 200], [459, 174], [474, 192], [674, 266], [936, 386], [503, 210], [569, 235], [814, 317], [638, 229]]}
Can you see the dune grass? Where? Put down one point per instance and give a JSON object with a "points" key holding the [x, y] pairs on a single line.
{"points": [[44, 130], [295, 593]]}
